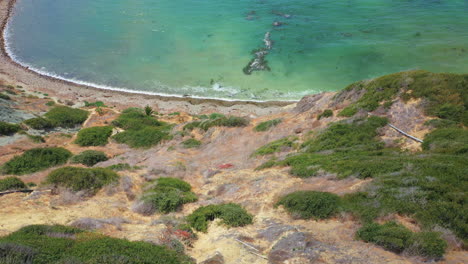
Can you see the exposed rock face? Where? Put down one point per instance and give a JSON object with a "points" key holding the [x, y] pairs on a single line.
{"points": [[300, 247], [217, 258]]}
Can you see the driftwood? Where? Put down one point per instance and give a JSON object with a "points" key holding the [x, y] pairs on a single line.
{"points": [[16, 191]]}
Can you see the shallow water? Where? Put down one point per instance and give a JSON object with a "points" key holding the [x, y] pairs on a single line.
{"points": [[199, 47]]}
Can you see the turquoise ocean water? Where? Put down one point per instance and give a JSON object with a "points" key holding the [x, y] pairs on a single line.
{"points": [[199, 47]]}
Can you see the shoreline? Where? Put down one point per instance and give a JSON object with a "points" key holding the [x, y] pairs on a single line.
{"points": [[12, 71]]}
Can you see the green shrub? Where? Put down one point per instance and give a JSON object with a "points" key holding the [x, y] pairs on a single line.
{"points": [[325, 113], [264, 126], [148, 110], [50, 103], [135, 118], [39, 123], [266, 165], [231, 214], [35, 160], [391, 236], [191, 143], [77, 179], [348, 111], [8, 129], [94, 136], [427, 244], [275, 146], [89, 157], [143, 138], [310, 204], [63, 116], [447, 140], [141, 130], [231, 121], [11, 183], [61, 244], [94, 104], [4, 96], [359, 134], [35, 139], [169, 195]]}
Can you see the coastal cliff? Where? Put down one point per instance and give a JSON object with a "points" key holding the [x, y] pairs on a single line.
{"points": [[325, 180]]}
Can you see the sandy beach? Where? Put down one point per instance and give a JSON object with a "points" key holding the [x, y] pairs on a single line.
{"points": [[13, 73]]}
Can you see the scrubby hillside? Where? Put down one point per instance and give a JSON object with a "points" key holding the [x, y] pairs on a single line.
{"points": [[331, 179]]}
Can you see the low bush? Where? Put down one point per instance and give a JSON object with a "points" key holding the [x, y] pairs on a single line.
{"points": [[275, 146], [11, 183], [78, 179], [397, 238], [94, 136], [35, 139], [391, 236], [39, 123], [218, 121], [141, 130], [427, 244], [264, 126], [359, 134], [447, 140], [63, 116], [35, 160], [89, 157], [232, 215], [325, 113], [168, 195], [8, 129], [348, 111], [191, 143], [94, 104], [142, 138], [4, 96], [310, 204], [61, 244]]}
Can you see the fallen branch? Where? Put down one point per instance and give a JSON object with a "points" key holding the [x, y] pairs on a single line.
{"points": [[405, 134], [251, 247], [16, 191]]}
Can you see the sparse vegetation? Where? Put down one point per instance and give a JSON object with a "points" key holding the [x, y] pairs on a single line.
{"points": [[141, 130], [35, 160], [325, 113], [191, 143], [8, 129], [231, 215], [264, 126], [11, 183], [123, 167], [215, 120], [94, 136], [78, 179], [41, 244], [444, 93], [89, 157], [168, 195], [275, 146], [310, 204], [63, 116]]}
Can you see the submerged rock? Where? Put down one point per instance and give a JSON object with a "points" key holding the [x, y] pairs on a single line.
{"points": [[259, 63]]}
